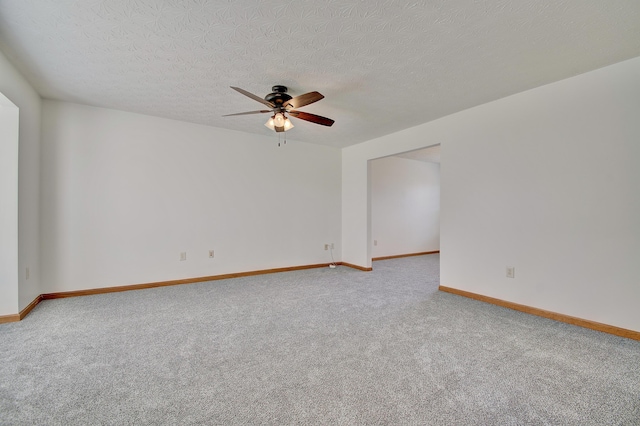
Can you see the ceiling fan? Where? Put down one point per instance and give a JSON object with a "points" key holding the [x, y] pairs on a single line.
{"points": [[281, 104]]}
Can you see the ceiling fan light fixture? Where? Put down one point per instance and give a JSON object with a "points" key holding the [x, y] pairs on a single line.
{"points": [[287, 124], [278, 120], [270, 124]]}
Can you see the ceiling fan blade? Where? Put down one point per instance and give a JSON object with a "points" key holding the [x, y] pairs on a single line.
{"points": [[254, 97], [312, 118], [262, 111], [302, 100]]}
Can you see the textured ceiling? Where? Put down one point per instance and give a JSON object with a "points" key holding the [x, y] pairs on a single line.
{"points": [[383, 65]]}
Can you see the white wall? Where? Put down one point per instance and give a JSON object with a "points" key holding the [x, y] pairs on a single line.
{"points": [[405, 206], [125, 193], [21, 94], [9, 207], [546, 181]]}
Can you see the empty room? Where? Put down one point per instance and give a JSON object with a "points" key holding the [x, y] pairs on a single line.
{"points": [[340, 212]]}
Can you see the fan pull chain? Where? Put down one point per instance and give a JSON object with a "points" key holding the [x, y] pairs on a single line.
{"points": [[285, 139]]}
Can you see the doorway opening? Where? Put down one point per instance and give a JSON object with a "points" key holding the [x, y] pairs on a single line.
{"points": [[404, 198]]}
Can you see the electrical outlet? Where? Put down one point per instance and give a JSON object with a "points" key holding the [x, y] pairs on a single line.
{"points": [[375, 242], [511, 272], [326, 246], [183, 255], [211, 254]]}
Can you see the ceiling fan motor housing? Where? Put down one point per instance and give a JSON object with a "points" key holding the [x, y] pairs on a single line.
{"points": [[279, 95]]}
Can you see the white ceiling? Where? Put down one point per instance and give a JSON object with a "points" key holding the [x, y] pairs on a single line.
{"points": [[383, 65]]}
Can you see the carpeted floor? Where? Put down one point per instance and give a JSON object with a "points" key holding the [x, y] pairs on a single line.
{"points": [[318, 346]]}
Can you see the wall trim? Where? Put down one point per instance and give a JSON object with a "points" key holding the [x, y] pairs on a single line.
{"points": [[605, 328], [351, 265], [405, 255], [9, 318], [23, 313], [76, 293], [103, 290], [59, 295]]}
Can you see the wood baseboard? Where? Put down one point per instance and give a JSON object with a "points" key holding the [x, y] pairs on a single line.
{"points": [[9, 318], [351, 265], [93, 291], [605, 328], [363, 268], [103, 290], [405, 255], [23, 313]]}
